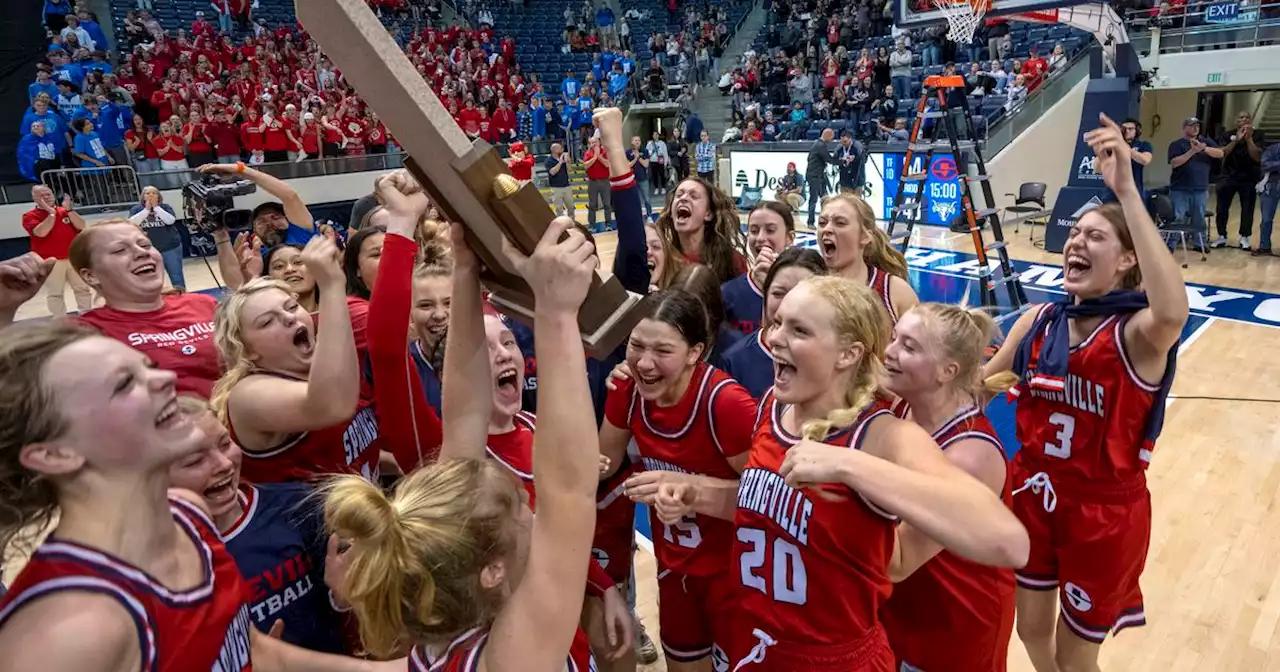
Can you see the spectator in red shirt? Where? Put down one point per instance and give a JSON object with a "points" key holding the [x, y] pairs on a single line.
{"points": [[171, 146], [275, 139], [752, 134], [195, 133], [251, 137], [354, 131], [596, 162], [140, 141], [520, 162], [469, 119], [225, 137], [375, 135], [504, 122], [165, 100], [201, 28], [1034, 70], [310, 134], [52, 228]]}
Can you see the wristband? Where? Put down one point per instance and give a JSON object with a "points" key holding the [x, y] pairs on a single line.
{"points": [[240, 167]]}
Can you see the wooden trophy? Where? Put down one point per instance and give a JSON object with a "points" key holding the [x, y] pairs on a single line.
{"points": [[468, 181]]}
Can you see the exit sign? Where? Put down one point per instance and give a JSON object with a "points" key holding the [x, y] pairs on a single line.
{"points": [[1216, 78]]}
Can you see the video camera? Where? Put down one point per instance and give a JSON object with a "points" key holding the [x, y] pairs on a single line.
{"points": [[213, 196]]}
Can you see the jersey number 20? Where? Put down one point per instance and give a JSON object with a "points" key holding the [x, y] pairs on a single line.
{"points": [[790, 582]]}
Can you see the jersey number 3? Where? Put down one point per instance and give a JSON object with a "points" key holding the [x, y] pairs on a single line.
{"points": [[1066, 426], [790, 581]]}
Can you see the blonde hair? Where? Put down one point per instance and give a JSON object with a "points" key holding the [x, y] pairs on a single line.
{"points": [[416, 556], [859, 318], [963, 334], [229, 337], [879, 250]]}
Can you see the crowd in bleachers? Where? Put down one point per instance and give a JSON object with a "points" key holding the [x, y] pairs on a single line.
{"points": [[842, 64], [177, 96]]}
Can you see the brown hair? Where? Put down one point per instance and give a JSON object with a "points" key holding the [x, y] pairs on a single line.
{"points": [[859, 318], [962, 336], [879, 250], [699, 281], [1114, 213], [722, 237], [673, 260], [780, 209], [416, 555], [29, 414]]}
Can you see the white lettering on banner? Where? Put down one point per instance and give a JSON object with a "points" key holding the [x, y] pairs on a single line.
{"points": [[1086, 170], [199, 331]]}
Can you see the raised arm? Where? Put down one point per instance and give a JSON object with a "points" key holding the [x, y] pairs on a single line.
{"points": [[630, 262], [535, 630], [295, 210], [1155, 329], [408, 423], [466, 399], [271, 405]]}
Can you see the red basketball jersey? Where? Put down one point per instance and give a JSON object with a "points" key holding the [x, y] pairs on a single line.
{"points": [[952, 613], [514, 450], [814, 572], [349, 447], [711, 422], [463, 655], [205, 627], [1092, 431], [878, 281]]}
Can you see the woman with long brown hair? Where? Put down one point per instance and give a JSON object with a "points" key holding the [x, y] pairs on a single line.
{"points": [[702, 224]]}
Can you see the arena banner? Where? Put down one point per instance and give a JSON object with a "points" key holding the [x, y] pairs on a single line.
{"points": [[764, 169]]}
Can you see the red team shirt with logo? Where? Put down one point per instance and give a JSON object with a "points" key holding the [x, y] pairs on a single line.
{"points": [[349, 447], [952, 613], [878, 281], [812, 569], [711, 422], [199, 628], [177, 337]]}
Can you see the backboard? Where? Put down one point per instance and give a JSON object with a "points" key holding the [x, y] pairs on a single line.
{"points": [[913, 13]]}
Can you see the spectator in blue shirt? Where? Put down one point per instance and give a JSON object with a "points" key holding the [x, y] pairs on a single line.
{"points": [[1270, 198], [43, 84], [68, 100], [617, 81], [93, 29], [570, 88], [1191, 158], [98, 61], [88, 147], [1140, 152], [55, 14], [524, 122], [704, 155], [64, 69], [37, 152], [539, 115], [557, 165], [109, 121], [42, 111]]}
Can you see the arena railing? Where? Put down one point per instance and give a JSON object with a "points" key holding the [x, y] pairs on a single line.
{"points": [[1218, 25], [95, 189]]}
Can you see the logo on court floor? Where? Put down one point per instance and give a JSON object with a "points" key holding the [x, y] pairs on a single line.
{"points": [[1080, 600]]}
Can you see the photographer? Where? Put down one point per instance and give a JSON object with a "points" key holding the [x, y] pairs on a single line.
{"points": [[286, 222]]}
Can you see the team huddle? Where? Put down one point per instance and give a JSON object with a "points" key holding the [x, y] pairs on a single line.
{"points": [[351, 483]]}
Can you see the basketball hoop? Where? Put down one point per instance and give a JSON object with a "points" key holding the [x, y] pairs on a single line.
{"points": [[963, 16]]}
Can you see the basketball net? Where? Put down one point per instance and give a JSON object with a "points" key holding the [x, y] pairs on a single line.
{"points": [[963, 16]]}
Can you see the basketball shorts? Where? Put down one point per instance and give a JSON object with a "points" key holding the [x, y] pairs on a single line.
{"points": [[1091, 547], [755, 650], [694, 613]]}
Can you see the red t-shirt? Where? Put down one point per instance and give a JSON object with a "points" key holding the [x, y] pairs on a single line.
{"points": [[251, 135], [521, 169], [178, 337], [226, 139], [275, 138], [148, 147], [199, 143], [54, 244], [175, 150], [600, 169]]}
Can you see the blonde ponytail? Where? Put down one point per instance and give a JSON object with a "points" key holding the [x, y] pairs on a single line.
{"points": [[858, 319], [962, 336], [416, 556]]}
